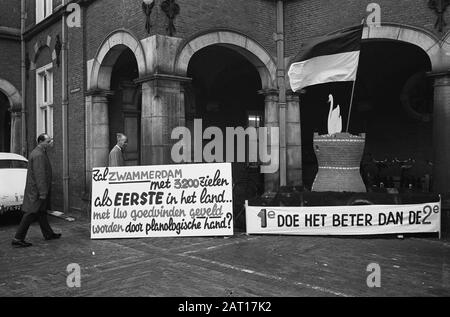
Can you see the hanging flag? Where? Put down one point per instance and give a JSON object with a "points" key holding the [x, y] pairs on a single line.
{"points": [[330, 58]]}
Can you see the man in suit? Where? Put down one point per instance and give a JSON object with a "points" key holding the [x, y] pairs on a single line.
{"points": [[116, 154], [36, 199]]}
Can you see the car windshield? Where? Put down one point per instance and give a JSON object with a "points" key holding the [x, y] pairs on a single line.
{"points": [[4, 164]]}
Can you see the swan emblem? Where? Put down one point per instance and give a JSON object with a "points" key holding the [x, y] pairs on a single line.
{"points": [[334, 117]]}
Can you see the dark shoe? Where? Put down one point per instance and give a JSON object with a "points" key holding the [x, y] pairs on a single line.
{"points": [[20, 244], [53, 236]]}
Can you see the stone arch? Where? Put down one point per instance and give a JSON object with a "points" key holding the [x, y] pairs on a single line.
{"points": [[13, 95], [445, 52], [405, 33], [427, 41], [100, 68], [99, 74], [241, 43], [41, 45], [15, 102]]}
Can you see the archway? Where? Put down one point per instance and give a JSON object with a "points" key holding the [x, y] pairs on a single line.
{"points": [[421, 38], [119, 60], [250, 49], [124, 111], [10, 121], [5, 124], [100, 68], [392, 105], [228, 70], [224, 93]]}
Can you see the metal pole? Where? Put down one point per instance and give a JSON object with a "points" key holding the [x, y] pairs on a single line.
{"points": [[65, 103], [282, 90], [351, 103], [440, 217], [23, 141], [354, 84]]}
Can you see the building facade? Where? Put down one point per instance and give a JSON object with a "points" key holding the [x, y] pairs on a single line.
{"points": [[94, 68], [10, 77]]}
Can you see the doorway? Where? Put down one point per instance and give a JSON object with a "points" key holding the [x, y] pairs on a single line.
{"points": [[125, 106], [5, 124], [225, 93]]}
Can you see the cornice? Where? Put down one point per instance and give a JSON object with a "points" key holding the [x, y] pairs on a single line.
{"points": [[9, 33]]}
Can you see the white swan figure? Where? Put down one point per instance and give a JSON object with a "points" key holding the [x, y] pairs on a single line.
{"points": [[334, 117]]}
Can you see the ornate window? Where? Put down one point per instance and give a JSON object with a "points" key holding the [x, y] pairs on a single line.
{"points": [[44, 100], [44, 8]]}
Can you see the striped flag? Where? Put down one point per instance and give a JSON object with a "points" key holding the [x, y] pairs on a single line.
{"points": [[331, 58]]}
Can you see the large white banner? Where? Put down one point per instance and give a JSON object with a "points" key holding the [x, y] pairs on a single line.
{"points": [[344, 220], [162, 201]]}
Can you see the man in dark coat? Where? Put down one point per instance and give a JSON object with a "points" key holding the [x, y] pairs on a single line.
{"points": [[116, 154], [36, 199]]}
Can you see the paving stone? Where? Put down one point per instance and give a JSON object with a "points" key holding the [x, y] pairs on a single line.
{"points": [[226, 267]]}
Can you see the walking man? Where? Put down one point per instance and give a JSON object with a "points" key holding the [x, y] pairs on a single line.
{"points": [[36, 199], [116, 154]]}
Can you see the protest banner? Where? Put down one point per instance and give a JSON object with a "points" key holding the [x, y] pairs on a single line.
{"points": [[344, 220], [162, 201]]}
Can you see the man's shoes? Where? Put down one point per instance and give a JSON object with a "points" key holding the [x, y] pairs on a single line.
{"points": [[54, 236], [20, 243]]}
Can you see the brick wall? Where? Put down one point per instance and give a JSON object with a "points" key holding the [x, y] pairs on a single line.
{"points": [[103, 17], [10, 62], [10, 49], [31, 10], [254, 18], [31, 13], [10, 13], [76, 122], [44, 57], [76, 113]]}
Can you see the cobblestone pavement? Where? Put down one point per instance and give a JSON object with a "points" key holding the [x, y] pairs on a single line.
{"points": [[236, 266]]}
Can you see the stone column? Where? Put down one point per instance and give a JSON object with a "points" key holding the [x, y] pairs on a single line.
{"points": [[441, 133], [97, 132], [190, 107], [293, 140], [272, 180], [162, 111], [16, 131]]}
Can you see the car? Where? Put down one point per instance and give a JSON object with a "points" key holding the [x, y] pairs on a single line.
{"points": [[13, 176]]}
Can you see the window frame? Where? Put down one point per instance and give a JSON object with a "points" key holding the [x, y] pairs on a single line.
{"points": [[44, 108], [44, 9]]}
